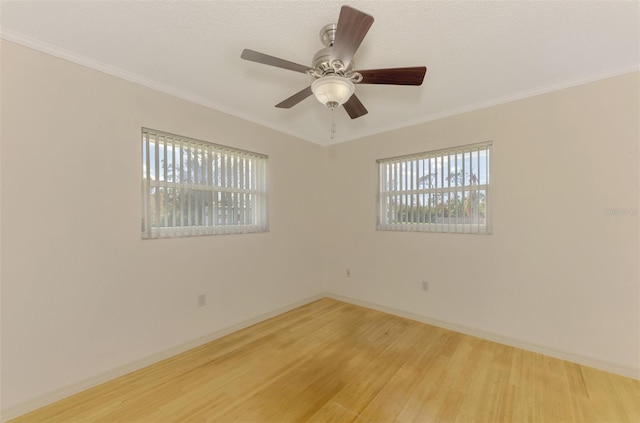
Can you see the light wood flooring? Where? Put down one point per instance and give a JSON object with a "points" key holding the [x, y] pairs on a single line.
{"points": [[329, 361]]}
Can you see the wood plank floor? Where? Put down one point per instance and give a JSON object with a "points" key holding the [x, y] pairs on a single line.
{"points": [[329, 361]]}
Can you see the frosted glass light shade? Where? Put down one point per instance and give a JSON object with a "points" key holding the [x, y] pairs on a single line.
{"points": [[332, 91]]}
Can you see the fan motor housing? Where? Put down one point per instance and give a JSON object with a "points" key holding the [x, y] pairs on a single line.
{"points": [[323, 65]]}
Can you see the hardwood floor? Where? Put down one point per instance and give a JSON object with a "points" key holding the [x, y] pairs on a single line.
{"points": [[330, 361]]}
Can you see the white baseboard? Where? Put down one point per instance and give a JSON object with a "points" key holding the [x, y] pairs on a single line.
{"points": [[20, 409], [630, 372], [41, 401]]}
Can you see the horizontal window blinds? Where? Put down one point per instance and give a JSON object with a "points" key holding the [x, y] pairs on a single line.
{"points": [[192, 187], [438, 191]]}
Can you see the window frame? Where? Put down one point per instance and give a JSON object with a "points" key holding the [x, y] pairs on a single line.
{"points": [[468, 197], [200, 188]]}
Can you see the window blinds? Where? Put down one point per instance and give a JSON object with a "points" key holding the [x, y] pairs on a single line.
{"points": [[192, 187], [438, 191]]}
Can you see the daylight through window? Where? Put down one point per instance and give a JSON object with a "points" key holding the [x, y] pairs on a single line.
{"points": [[192, 187], [438, 191]]}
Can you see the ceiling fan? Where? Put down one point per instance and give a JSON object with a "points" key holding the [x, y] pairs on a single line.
{"points": [[333, 69]]}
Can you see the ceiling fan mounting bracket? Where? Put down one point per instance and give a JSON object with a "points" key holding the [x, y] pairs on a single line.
{"points": [[328, 34]]}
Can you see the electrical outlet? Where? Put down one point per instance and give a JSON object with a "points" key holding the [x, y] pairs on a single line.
{"points": [[348, 273], [202, 300], [425, 286]]}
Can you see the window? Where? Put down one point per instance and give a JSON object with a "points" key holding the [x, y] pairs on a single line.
{"points": [[438, 191], [192, 187]]}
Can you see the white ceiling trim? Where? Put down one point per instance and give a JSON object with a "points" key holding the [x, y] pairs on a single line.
{"points": [[155, 85], [129, 76], [513, 97], [479, 54]]}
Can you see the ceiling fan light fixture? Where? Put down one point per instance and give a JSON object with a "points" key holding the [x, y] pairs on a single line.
{"points": [[332, 91]]}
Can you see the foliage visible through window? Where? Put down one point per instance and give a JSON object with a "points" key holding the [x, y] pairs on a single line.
{"points": [[438, 191], [192, 187]]}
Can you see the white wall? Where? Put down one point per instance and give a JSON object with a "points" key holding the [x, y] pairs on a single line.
{"points": [[82, 293], [557, 272]]}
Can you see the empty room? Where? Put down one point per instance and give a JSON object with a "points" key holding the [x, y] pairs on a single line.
{"points": [[319, 211]]}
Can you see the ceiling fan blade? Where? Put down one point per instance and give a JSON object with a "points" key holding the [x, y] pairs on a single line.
{"points": [[352, 27], [394, 76], [295, 99], [265, 59], [354, 107]]}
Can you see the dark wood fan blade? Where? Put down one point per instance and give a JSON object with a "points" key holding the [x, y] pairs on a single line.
{"points": [[354, 107], [265, 59], [352, 27], [394, 76], [295, 99]]}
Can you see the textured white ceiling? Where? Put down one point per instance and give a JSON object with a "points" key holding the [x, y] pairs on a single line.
{"points": [[477, 53]]}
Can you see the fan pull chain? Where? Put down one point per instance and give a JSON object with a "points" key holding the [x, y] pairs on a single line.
{"points": [[333, 126]]}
